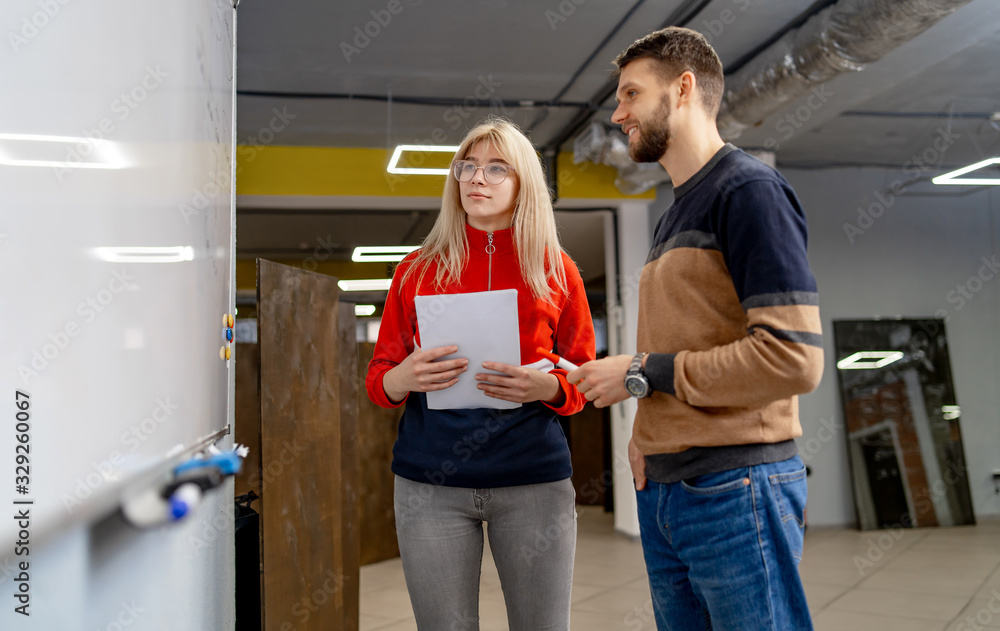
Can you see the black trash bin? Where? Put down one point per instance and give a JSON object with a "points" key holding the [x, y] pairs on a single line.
{"points": [[247, 564]]}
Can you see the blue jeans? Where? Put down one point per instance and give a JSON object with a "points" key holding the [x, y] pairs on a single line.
{"points": [[532, 531], [722, 550]]}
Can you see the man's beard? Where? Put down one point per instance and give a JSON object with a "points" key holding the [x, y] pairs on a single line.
{"points": [[654, 136]]}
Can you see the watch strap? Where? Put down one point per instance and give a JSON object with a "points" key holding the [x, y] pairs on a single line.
{"points": [[635, 367]]}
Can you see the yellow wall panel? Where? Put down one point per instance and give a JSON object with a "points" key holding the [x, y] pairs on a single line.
{"points": [[277, 170]]}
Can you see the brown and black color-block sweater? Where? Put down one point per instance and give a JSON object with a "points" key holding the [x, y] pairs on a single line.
{"points": [[728, 309]]}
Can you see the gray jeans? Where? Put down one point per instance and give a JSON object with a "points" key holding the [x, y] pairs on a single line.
{"points": [[532, 531]]}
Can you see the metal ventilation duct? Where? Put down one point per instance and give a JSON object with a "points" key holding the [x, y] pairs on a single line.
{"points": [[601, 145], [841, 38]]}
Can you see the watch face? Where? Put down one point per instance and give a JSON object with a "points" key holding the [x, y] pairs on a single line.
{"points": [[636, 387]]}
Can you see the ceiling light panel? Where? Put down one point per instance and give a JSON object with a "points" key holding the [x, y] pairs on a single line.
{"points": [[868, 360], [955, 177], [400, 149], [366, 284], [381, 253]]}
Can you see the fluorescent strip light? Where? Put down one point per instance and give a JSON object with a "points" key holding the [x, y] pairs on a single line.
{"points": [[369, 284], [110, 157], [882, 359], [392, 168], [950, 178], [950, 412], [381, 253], [364, 310], [175, 254]]}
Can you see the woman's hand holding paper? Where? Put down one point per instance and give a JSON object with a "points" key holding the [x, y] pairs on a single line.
{"points": [[521, 385], [420, 372]]}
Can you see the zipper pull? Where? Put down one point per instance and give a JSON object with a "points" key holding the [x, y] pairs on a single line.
{"points": [[490, 249]]}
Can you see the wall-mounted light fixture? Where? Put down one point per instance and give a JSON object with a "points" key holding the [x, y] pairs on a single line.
{"points": [[364, 310]]}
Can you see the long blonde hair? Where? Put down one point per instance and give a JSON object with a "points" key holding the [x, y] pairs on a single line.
{"points": [[533, 226]]}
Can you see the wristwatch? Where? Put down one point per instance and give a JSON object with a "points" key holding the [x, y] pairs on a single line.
{"points": [[635, 379]]}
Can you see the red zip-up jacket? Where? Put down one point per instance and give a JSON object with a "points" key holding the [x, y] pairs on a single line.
{"points": [[485, 447]]}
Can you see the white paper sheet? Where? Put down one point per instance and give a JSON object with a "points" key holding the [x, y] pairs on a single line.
{"points": [[483, 325]]}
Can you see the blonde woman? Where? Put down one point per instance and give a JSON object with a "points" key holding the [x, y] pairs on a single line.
{"points": [[458, 469]]}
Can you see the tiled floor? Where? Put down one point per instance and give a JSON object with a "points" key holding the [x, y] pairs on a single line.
{"points": [[945, 579]]}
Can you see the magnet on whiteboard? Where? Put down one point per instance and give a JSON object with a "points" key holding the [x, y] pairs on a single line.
{"points": [[184, 500], [150, 508]]}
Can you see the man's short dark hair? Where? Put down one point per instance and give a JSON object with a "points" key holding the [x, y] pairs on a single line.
{"points": [[679, 50]]}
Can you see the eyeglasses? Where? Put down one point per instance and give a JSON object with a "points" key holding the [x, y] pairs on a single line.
{"points": [[494, 172]]}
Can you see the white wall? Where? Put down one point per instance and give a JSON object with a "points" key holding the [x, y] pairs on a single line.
{"points": [[906, 262], [634, 237]]}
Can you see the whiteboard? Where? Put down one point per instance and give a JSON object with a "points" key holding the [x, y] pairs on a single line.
{"points": [[117, 222]]}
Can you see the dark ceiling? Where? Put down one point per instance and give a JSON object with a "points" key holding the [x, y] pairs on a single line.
{"points": [[378, 74]]}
